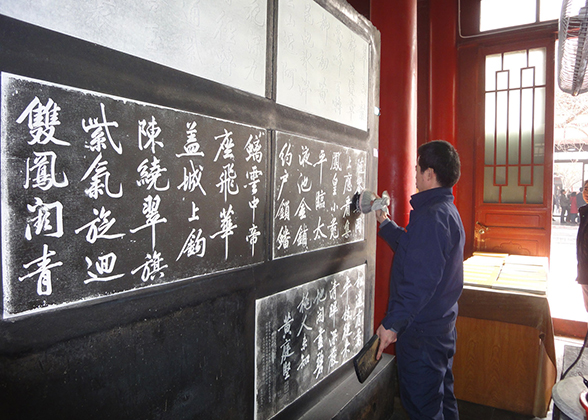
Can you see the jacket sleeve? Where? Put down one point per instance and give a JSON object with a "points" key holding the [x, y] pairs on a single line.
{"points": [[391, 233], [422, 266]]}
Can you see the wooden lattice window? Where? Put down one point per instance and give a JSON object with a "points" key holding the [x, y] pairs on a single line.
{"points": [[515, 93]]}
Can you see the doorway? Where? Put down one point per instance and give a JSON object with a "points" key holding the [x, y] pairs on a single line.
{"points": [[513, 185], [570, 159]]}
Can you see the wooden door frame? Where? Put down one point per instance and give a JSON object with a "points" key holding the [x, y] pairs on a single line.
{"points": [[535, 217], [470, 143]]}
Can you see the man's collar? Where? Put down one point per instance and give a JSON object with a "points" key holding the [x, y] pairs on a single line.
{"points": [[423, 196]]}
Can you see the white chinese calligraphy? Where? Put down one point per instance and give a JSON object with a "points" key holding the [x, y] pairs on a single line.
{"points": [[322, 195], [47, 222], [89, 178], [44, 166], [99, 130], [42, 120], [297, 340], [44, 266]]}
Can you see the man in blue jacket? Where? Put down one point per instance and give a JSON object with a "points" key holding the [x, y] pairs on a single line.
{"points": [[425, 284]]}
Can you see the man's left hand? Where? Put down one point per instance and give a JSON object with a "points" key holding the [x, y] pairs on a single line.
{"points": [[387, 337]]}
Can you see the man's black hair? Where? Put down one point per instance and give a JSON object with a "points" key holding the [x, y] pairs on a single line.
{"points": [[442, 157]]}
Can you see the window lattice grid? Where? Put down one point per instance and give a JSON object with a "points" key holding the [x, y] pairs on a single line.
{"points": [[515, 88]]}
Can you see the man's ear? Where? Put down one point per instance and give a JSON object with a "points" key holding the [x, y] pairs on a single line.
{"points": [[431, 177], [430, 174]]}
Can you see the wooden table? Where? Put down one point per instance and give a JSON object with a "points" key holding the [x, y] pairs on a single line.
{"points": [[505, 354]]}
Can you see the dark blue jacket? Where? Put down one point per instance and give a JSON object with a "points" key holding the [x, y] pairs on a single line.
{"points": [[427, 272]]}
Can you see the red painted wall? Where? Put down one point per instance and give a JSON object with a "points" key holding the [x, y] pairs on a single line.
{"points": [[437, 81], [442, 69], [396, 21], [361, 6]]}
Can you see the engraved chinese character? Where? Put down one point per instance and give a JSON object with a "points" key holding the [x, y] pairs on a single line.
{"points": [[301, 238], [150, 174], [152, 216], [100, 180], [286, 154], [254, 176], [192, 147], [304, 157], [283, 211], [335, 181], [283, 239], [253, 149], [104, 265], [318, 232], [194, 215], [322, 159], [320, 200], [302, 209], [48, 221], [333, 231], [347, 186], [227, 182], [44, 266], [98, 228], [195, 244], [192, 179], [336, 162], [44, 168], [227, 227], [100, 129], [152, 268], [304, 184], [253, 205], [42, 120], [147, 135], [283, 179], [305, 303], [251, 238], [226, 146]]}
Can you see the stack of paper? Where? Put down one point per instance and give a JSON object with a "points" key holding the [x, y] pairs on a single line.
{"points": [[507, 272], [483, 269], [524, 273]]}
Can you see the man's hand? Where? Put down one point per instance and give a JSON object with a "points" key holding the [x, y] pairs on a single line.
{"points": [[387, 337], [380, 216]]}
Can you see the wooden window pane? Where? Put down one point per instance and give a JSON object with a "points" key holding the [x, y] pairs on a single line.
{"points": [[539, 127], [515, 127], [491, 192], [535, 192], [490, 122], [513, 192], [515, 61], [538, 62], [493, 65], [527, 111], [514, 122], [501, 127]]}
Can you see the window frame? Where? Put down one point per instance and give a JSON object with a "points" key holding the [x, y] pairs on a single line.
{"points": [[468, 24]]}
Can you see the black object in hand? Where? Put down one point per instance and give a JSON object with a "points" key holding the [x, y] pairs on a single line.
{"points": [[365, 361]]}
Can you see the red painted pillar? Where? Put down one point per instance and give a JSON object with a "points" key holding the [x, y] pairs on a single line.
{"points": [[443, 73], [443, 70], [397, 22]]}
